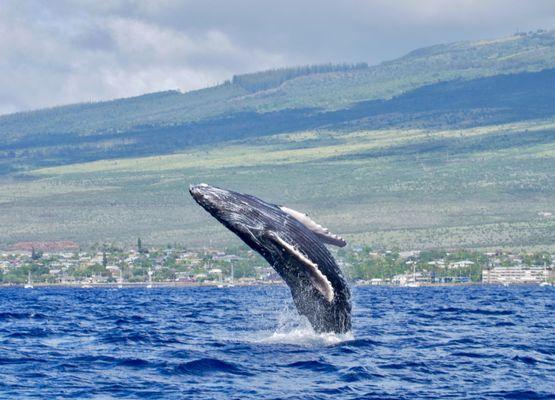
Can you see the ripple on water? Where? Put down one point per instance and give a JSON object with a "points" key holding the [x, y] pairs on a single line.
{"points": [[313, 365], [359, 373], [209, 366]]}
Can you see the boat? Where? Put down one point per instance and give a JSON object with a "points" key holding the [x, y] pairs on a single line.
{"points": [[413, 283], [86, 286], [29, 284], [218, 271], [120, 279], [149, 285], [232, 280], [545, 274]]}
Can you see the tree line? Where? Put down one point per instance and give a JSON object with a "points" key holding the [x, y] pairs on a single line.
{"points": [[273, 78]]}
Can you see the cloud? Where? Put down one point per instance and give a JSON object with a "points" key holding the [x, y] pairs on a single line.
{"points": [[63, 51]]}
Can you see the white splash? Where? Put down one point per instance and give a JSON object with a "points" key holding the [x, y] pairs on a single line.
{"points": [[306, 337], [296, 330]]}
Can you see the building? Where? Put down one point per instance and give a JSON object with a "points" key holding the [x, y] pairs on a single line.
{"points": [[412, 278], [461, 264], [504, 275]]}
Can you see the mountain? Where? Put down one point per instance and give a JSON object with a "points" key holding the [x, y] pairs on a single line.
{"points": [[167, 122], [449, 146]]}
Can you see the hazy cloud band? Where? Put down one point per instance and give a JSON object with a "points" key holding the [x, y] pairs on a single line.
{"points": [[59, 52]]}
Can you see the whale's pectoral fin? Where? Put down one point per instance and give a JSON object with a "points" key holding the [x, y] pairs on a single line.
{"points": [[323, 233], [316, 277]]}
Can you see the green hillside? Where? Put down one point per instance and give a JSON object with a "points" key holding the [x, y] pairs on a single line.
{"points": [[456, 103], [318, 89], [450, 146], [459, 189]]}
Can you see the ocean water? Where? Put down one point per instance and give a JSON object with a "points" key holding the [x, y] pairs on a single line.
{"points": [[479, 342]]}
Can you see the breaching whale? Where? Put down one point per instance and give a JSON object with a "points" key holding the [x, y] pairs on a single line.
{"points": [[294, 245]]}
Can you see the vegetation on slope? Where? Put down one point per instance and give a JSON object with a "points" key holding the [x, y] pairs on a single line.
{"points": [[370, 186], [491, 100]]}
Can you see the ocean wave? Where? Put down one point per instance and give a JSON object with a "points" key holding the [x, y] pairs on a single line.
{"points": [[485, 343], [21, 315]]}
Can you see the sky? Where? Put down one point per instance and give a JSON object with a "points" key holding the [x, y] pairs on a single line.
{"points": [[60, 51]]}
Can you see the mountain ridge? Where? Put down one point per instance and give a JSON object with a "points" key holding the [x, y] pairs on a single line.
{"points": [[543, 43], [486, 100]]}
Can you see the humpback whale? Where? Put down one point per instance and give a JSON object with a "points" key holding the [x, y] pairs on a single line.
{"points": [[294, 245]]}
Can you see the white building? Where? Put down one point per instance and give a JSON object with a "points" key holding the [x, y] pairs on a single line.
{"points": [[410, 278], [515, 275], [461, 264]]}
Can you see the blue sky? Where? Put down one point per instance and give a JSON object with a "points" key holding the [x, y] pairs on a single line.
{"points": [[62, 51]]}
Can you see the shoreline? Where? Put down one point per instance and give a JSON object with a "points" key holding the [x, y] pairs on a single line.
{"points": [[143, 285]]}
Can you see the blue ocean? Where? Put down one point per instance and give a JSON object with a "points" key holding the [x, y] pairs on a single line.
{"points": [[474, 342]]}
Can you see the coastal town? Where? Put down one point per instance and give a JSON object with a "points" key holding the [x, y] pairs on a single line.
{"points": [[65, 263]]}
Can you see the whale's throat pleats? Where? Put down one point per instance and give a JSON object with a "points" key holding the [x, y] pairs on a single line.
{"points": [[323, 233], [317, 278]]}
